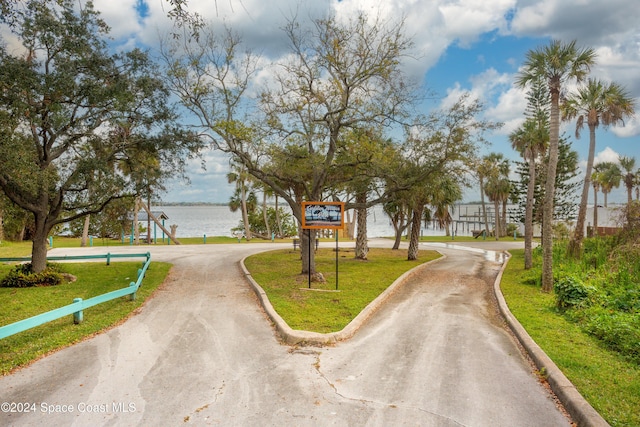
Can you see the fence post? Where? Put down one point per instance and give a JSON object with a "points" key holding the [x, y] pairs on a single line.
{"points": [[133, 294], [108, 258], [78, 316]]}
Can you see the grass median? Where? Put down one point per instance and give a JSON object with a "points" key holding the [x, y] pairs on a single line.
{"points": [[610, 383], [323, 309], [93, 279]]}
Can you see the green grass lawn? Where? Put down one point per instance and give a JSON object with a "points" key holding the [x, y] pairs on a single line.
{"points": [[446, 239], [14, 249], [604, 378], [93, 279], [359, 283], [74, 242]]}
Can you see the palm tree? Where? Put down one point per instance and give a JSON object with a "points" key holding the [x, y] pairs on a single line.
{"points": [[446, 193], [267, 192], [238, 175], [594, 104], [483, 169], [558, 63], [498, 187], [610, 178], [630, 178], [530, 140], [596, 179]]}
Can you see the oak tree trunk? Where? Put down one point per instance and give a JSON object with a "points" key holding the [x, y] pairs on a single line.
{"points": [[85, 231], [414, 241]]}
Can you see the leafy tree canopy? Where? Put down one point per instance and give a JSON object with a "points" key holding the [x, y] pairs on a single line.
{"points": [[79, 126]]}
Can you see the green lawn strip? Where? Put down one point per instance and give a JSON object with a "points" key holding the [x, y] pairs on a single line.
{"points": [[445, 239], [15, 249], [74, 242], [609, 383], [359, 283], [93, 279]]}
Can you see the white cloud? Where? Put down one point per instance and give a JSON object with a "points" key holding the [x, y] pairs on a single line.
{"points": [[505, 103], [606, 155], [121, 16], [466, 20], [630, 128]]}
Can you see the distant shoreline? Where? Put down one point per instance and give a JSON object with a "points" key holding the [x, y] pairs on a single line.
{"points": [[161, 203]]}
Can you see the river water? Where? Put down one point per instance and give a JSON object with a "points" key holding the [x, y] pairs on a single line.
{"points": [[216, 220]]}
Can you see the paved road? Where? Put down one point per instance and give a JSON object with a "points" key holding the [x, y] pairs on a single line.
{"points": [[203, 353]]}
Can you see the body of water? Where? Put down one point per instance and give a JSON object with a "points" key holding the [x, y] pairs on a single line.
{"points": [[214, 220]]}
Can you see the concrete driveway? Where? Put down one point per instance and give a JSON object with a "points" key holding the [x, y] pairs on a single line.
{"points": [[202, 352]]}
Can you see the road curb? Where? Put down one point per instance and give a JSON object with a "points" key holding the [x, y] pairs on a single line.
{"points": [[297, 337], [580, 410]]}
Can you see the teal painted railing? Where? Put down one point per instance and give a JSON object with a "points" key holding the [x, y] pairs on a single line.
{"points": [[78, 304]]}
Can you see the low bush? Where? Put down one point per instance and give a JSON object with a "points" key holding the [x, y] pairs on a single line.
{"points": [[22, 276], [571, 292]]}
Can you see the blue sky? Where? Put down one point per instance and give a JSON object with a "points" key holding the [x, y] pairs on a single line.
{"points": [[460, 46]]}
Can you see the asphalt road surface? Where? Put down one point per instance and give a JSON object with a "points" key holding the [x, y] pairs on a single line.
{"points": [[202, 352]]}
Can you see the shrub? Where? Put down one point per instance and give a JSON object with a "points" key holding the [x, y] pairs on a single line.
{"points": [[22, 276], [512, 228], [619, 331], [561, 231], [571, 291]]}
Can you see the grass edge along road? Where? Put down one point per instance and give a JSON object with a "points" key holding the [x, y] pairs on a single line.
{"points": [[92, 279], [609, 383]]}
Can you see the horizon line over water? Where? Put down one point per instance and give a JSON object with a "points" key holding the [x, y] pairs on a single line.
{"points": [[218, 220]]}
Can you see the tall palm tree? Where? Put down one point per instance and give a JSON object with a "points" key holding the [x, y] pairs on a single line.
{"points": [[628, 164], [594, 104], [530, 140], [558, 63]]}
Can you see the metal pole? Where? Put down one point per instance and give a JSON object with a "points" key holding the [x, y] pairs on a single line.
{"points": [[336, 231], [309, 255]]}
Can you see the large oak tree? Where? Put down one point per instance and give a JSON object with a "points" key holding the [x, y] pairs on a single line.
{"points": [[79, 126], [339, 76]]}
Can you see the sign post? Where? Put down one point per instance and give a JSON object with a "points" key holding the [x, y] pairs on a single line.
{"points": [[322, 215]]}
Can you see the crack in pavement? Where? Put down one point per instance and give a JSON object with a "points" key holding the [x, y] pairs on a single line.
{"points": [[317, 366]]}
